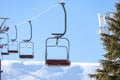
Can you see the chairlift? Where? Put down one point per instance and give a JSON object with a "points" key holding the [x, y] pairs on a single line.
{"points": [[13, 44], [26, 47], [4, 50], [3, 28], [57, 37]]}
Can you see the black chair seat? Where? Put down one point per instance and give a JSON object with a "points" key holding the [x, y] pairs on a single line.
{"points": [[4, 53], [58, 62], [26, 56], [12, 51]]}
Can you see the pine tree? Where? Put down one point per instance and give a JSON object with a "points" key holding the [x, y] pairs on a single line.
{"points": [[110, 66]]}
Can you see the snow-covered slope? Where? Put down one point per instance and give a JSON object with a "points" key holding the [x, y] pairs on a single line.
{"points": [[36, 70]]}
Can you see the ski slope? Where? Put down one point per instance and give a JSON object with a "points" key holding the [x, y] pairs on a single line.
{"points": [[36, 70]]}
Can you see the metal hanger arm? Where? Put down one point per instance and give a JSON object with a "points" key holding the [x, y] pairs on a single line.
{"points": [[30, 30], [65, 22], [65, 17], [15, 34]]}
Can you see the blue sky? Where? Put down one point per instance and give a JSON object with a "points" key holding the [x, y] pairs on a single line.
{"points": [[82, 24]]}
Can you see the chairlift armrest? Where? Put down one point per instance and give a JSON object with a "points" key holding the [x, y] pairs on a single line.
{"points": [[26, 40], [57, 34]]}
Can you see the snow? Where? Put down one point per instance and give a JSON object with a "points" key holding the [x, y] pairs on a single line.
{"points": [[36, 70]]}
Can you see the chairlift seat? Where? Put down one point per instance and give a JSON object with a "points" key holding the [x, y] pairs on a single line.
{"points": [[12, 51], [59, 62], [26, 56], [4, 53]]}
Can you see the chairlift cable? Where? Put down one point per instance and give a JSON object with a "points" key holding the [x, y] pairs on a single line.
{"points": [[48, 9], [41, 13]]}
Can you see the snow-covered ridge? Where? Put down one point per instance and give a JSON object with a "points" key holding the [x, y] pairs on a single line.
{"points": [[36, 70]]}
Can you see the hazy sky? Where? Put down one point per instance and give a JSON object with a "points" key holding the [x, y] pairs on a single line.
{"points": [[82, 24]]}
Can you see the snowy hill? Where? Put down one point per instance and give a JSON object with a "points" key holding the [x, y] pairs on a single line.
{"points": [[36, 70]]}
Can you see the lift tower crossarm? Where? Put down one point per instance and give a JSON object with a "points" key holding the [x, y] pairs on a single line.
{"points": [[4, 19]]}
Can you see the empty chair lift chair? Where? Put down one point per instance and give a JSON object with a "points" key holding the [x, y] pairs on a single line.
{"points": [[13, 44], [57, 37], [27, 44]]}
